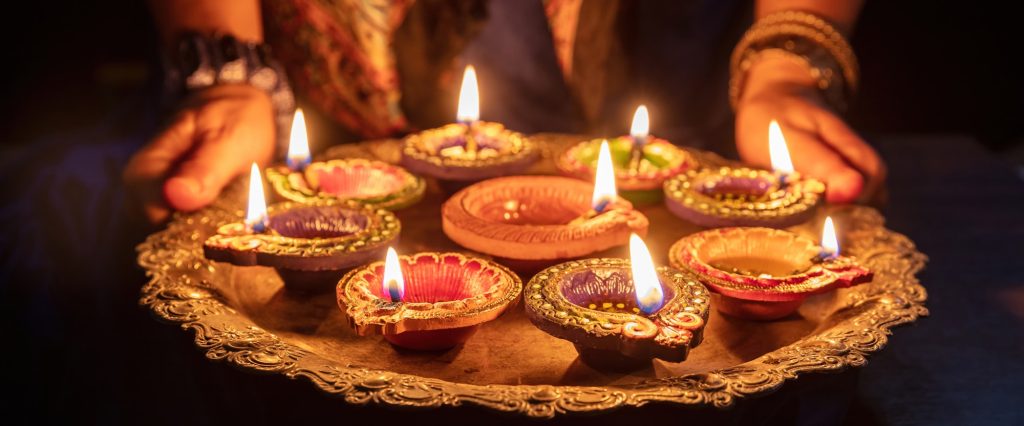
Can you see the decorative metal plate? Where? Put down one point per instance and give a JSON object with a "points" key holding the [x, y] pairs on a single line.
{"points": [[246, 317]]}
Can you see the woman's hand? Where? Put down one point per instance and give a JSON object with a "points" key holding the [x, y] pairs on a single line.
{"points": [[820, 143], [217, 134]]}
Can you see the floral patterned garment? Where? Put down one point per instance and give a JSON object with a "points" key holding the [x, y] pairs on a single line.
{"points": [[340, 55]]}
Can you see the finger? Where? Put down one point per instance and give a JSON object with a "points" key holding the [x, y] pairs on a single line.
{"points": [[816, 158], [853, 148], [144, 174], [217, 159]]}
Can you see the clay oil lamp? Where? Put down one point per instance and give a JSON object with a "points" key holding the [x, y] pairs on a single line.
{"points": [[642, 162], [469, 150], [764, 273], [427, 301], [620, 314], [375, 183], [741, 196], [311, 246], [532, 222]]}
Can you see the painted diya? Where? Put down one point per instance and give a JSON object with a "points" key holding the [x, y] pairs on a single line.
{"points": [[642, 163], [470, 150], [598, 306], [375, 183], [309, 245], [533, 221], [427, 301], [762, 273], [740, 196]]}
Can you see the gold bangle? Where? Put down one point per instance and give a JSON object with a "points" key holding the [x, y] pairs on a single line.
{"points": [[804, 37]]}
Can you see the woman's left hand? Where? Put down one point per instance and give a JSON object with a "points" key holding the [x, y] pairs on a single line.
{"points": [[820, 143]]}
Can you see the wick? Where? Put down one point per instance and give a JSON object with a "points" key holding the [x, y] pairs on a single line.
{"points": [[259, 226], [784, 179], [297, 164], [470, 144], [393, 291], [824, 256], [601, 206], [636, 154]]}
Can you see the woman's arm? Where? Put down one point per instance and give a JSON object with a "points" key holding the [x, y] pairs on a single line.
{"points": [[820, 142]]}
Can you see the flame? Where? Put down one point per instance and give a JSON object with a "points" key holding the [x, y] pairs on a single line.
{"points": [[649, 294], [604, 180], [829, 242], [777, 149], [298, 144], [256, 214], [641, 124], [393, 283], [469, 97]]}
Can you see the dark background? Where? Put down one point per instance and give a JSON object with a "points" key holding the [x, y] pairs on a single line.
{"points": [[928, 68]]}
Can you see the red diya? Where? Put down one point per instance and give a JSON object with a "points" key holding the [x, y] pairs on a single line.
{"points": [[309, 245], [427, 301], [642, 162], [763, 273], [740, 196], [534, 221], [470, 150], [369, 182], [620, 314]]}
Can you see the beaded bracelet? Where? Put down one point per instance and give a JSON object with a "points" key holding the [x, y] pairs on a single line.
{"points": [[805, 38]]}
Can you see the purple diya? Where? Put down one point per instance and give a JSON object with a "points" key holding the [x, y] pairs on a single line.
{"points": [[309, 245], [375, 183], [436, 302], [468, 152], [762, 273], [593, 304], [728, 196], [533, 221]]}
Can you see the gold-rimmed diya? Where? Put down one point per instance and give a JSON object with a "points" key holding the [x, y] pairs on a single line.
{"points": [[534, 221], [764, 273], [743, 196], [469, 150], [427, 301], [619, 313], [642, 162], [310, 245], [370, 182]]}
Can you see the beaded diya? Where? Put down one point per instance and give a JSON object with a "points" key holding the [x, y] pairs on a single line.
{"points": [[468, 152], [740, 196], [445, 297], [640, 181], [371, 182], [309, 245], [763, 273], [531, 221], [592, 303]]}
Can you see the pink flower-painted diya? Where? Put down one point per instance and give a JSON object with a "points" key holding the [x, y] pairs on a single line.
{"points": [[592, 303], [640, 183], [763, 273], [376, 183], [533, 221], [312, 244], [446, 296], [468, 153], [727, 196]]}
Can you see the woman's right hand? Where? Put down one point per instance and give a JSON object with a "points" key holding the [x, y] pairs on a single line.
{"points": [[216, 135]]}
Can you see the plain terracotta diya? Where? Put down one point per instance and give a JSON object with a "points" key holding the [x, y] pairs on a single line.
{"points": [[371, 182], [593, 303], [438, 303], [532, 221], [763, 273]]}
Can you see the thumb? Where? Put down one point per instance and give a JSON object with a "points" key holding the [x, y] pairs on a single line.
{"points": [[198, 180]]}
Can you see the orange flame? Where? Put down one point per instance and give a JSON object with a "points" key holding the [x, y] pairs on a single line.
{"points": [[604, 180], [469, 97], [829, 242], [393, 283], [649, 294], [298, 144], [777, 149], [256, 213], [641, 126]]}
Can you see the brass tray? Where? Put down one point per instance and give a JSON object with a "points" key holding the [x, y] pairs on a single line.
{"points": [[246, 317]]}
